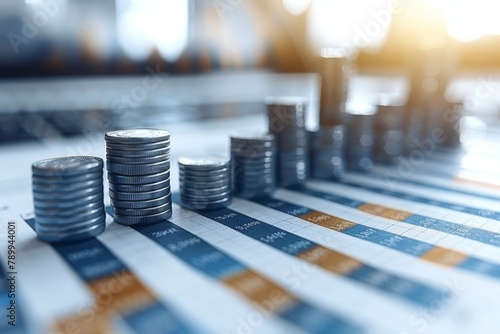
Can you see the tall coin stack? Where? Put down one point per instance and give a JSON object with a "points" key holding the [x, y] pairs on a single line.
{"points": [[360, 139], [253, 162], [334, 67], [68, 197], [389, 130], [286, 117], [327, 147], [138, 164], [205, 183]]}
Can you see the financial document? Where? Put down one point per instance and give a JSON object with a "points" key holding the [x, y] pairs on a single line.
{"points": [[411, 248]]}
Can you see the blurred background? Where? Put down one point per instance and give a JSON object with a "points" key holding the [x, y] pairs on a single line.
{"points": [[101, 37], [455, 43]]}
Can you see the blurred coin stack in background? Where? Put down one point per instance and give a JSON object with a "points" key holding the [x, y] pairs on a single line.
{"points": [[138, 164], [327, 152], [69, 198], [334, 67], [389, 130], [286, 117], [253, 162], [205, 183], [360, 135]]}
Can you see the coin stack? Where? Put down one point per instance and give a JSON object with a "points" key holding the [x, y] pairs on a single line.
{"points": [[253, 162], [360, 135], [286, 117], [334, 67], [389, 131], [327, 147], [138, 164], [68, 197], [205, 183]]}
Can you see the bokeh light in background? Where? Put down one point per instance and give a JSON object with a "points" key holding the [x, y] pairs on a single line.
{"points": [[355, 24], [296, 7], [468, 20], [101, 37], [143, 26]]}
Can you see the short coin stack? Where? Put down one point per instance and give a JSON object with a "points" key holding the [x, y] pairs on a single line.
{"points": [[138, 164], [253, 162], [327, 152], [205, 183], [69, 199], [286, 117]]}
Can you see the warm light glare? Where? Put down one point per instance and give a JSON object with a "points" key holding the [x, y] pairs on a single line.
{"points": [[468, 20], [148, 24], [169, 27], [296, 7], [355, 24]]}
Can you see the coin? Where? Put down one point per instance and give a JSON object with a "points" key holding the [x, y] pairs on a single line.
{"points": [[67, 196], [65, 188], [140, 204], [203, 163], [139, 187], [57, 237], [137, 136], [149, 219], [134, 170], [137, 161], [139, 196], [62, 166], [139, 179], [138, 147], [138, 153], [143, 212]]}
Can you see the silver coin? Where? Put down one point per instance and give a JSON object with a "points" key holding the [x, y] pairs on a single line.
{"points": [[205, 184], [254, 161], [138, 153], [215, 174], [141, 204], [226, 177], [204, 163], [135, 170], [74, 221], [64, 204], [57, 237], [143, 220], [139, 196], [143, 212], [138, 147], [139, 179], [204, 191], [248, 182], [67, 196], [132, 188], [253, 150], [242, 168], [137, 161], [69, 228], [64, 180], [69, 187], [205, 197], [251, 136], [60, 167], [211, 175], [203, 206], [68, 211], [137, 136]]}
